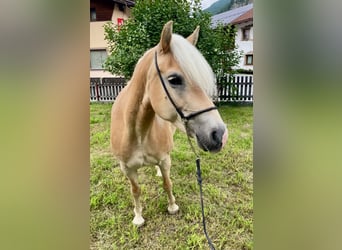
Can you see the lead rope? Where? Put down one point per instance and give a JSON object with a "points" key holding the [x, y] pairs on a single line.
{"points": [[199, 181]]}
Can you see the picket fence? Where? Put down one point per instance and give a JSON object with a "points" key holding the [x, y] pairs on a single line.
{"points": [[239, 89], [105, 89]]}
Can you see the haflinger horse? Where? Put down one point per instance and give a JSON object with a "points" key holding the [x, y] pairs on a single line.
{"points": [[146, 114]]}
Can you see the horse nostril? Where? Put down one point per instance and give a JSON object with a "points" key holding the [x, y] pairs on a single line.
{"points": [[216, 136]]}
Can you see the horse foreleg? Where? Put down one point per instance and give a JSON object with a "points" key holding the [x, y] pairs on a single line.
{"points": [[165, 171], [158, 171], [132, 176]]}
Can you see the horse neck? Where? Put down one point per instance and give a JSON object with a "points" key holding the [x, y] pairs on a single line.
{"points": [[141, 113]]}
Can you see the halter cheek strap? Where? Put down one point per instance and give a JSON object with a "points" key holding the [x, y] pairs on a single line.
{"points": [[179, 111]]}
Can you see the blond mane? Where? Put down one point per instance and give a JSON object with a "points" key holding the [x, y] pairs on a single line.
{"points": [[193, 64]]}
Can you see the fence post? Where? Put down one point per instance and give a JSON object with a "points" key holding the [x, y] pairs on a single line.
{"points": [[97, 90]]}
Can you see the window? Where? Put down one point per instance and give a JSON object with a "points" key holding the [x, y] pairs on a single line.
{"points": [[246, 33], [121, 7], [92, 14], [97, 58], [249, 59]]}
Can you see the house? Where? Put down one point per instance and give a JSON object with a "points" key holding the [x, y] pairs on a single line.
{"points": [[101, 12], [242, 19]]}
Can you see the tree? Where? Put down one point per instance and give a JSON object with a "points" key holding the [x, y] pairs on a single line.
{"points": [[225, 56], [128, 42]]}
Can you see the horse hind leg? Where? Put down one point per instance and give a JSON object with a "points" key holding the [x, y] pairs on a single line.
{"points": [[167, 183], [132, 176]]}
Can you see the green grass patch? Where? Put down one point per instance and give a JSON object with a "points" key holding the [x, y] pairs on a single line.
{"points": [[227, 186]]}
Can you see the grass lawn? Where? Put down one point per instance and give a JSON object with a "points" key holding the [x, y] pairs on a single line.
{"points": [[227, 186]]}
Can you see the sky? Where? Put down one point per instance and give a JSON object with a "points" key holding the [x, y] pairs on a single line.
{"points": [[207, 3]]}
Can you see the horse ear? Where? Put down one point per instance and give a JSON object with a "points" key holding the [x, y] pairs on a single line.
{"points": [[165, 37], [194, 36]]}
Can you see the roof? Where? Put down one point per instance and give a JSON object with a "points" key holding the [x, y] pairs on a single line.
{"points": [[234, 16], [128, 2], [248, 16]]}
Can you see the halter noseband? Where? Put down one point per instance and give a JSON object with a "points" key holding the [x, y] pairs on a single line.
{"points": [[185, 118]]}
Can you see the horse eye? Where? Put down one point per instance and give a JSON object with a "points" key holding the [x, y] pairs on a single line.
{"points": [[175, 80]]}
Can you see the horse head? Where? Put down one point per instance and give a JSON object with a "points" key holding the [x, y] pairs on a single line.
{"points": [[180, 86]]}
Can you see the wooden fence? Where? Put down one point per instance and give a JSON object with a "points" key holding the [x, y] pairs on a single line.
{"points": [[105, 89], [239, 90]]}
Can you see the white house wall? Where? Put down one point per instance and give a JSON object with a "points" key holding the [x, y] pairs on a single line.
{"points": [[245, 46]]}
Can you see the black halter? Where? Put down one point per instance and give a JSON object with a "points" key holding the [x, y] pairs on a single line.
{"points": [[185, 118]]}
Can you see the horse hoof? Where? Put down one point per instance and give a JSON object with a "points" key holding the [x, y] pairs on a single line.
{"points": [[173, 209], [138, 221]]}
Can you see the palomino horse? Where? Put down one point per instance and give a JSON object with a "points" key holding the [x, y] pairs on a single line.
{"points": [[144, 117]]}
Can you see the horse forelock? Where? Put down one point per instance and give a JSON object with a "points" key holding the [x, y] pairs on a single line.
{"points": [[193, 64]]}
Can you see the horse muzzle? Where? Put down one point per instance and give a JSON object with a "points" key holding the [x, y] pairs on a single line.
{"points": [[214, 141]]}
